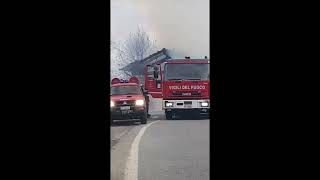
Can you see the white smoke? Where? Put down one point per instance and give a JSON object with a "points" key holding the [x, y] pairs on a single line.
{"points": [[181, 26]]}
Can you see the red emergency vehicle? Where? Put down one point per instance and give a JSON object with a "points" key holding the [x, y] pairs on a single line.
{"points": [[152, 81], [184, 85], [128, 101]]}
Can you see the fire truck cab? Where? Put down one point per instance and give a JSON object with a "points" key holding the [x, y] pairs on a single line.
{"points": [[185, 86], [128, 101]]}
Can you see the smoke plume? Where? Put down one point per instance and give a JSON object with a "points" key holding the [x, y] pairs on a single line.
{"points": [[181, 26]]}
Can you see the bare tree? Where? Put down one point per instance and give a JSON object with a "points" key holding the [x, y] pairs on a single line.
{"points": [[137, 46]]}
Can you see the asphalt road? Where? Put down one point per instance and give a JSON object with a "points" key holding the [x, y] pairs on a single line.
{"points": [[161, 149], [117, 130], [175, 150]]}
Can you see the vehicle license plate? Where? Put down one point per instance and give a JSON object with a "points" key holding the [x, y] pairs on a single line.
{"points": [[186, 94], [125, 107]]}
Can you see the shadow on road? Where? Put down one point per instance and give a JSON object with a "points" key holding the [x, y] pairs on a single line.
{"points": [[190, 117], [125, 124]]}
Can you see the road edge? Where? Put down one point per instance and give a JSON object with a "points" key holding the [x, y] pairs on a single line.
{"points": [[131, 170]]}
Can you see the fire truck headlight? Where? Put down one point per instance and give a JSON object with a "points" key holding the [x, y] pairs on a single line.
{"points": [[111, 103], [139, 102], [204, 104], [169, 104]]}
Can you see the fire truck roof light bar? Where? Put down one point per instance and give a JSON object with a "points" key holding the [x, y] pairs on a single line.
{"points": [[131, 80]]}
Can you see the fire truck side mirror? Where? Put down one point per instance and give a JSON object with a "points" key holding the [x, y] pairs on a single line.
{"points": [[155, 74]]}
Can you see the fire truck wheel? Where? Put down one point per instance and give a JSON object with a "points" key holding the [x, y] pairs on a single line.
{"points": [[144, 119], [168, 115]]}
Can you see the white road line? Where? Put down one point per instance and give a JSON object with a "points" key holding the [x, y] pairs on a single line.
{"points": [[155, 116], [131, 171]]}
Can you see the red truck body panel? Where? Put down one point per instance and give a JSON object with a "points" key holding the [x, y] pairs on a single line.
{"points": [[186, 90], [195, 89], [150, 82]]}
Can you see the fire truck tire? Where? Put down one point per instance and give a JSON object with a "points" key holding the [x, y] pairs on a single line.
{"points": [[168, 115], [144, 119]]}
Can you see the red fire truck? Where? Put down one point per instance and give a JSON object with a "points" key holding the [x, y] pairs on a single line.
{"points": [[184, 85]]}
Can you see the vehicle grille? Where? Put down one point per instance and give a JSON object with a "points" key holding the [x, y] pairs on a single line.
{"points": [[121, 103]]}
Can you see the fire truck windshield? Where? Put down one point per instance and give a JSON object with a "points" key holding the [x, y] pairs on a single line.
{"points": [[186, 72], [124, 90]]}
